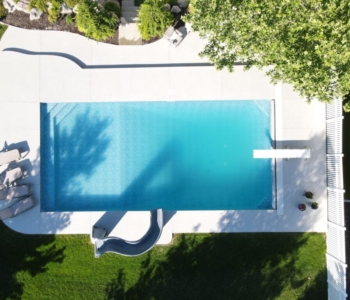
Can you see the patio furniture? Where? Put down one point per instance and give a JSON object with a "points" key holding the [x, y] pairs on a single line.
{"points": [[17, 208], [15, 192], [282, 153], [11, 176], [9, 156], [173, 36]]}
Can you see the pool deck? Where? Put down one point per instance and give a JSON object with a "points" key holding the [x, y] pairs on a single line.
{"points": [[154, 72]]}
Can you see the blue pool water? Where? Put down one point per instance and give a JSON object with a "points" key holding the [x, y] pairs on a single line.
{"points": [[193, 155]]}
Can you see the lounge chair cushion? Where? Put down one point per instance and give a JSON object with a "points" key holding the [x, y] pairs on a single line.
{"points": [[14, 192], [17, 208], [9, 156]]}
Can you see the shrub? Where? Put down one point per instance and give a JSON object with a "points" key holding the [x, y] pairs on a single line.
{"points": [[71, 3], [138, 2], [153, 19], [3, 11], [113, 7], [94, 21], [55, 11], [39, 4], [69, 20], [2, 30]]}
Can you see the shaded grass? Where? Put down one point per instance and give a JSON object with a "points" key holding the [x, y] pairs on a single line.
{"points": [[195, 266], [3, 28]]}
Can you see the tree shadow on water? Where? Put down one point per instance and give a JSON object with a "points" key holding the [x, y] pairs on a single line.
{"points": [[30, 254], [221, 266], [80, 150]]}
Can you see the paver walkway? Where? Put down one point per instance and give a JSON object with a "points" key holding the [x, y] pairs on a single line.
{"points": [[128, 32]]}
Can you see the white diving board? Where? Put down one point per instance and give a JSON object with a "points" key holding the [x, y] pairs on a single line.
{"points": [[282, 153]]}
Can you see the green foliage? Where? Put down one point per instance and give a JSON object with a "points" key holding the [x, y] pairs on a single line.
{"points": [[55, 11], [71, 3], [95, 21], [138, 2], [39, 4], [2, 30], [303, 42], [153, 19], [194, 266], [113, 7], [3, 10], [69, 20], [346, 101]]}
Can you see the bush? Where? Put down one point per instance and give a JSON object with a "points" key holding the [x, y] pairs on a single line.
{"points": [[94, 21], [71, 3], [2, 30], [55, 11], [39, 4], [138, 2], [69, 20], [113, 7], [3, 11], [153, 19]]}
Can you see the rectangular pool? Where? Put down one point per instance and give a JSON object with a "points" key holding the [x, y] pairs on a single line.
{"points": [[191, 155]]}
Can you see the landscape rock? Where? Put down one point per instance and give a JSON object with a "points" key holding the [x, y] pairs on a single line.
{"points": [[175, 9], [23, 5], [10, 5], [48, 5], [35, 14], [65, 10], [75, 9], [167, 6], [182, 3]]}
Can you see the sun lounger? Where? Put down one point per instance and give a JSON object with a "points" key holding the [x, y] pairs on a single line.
{"points": [[282, 153], [15, 192], [9, 156], [11, 176], [17, 208]]}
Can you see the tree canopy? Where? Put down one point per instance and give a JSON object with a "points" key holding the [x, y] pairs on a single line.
{"points": [[305, 43]]}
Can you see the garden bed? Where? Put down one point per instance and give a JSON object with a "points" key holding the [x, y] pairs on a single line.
{"points": [[21, 20]]}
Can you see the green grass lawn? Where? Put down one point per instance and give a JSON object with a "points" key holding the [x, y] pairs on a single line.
{"points": [[194, 266]]}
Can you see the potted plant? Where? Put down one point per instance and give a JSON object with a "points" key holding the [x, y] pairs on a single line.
{"points": [[309, 194], [314, 205], [302, 207]]}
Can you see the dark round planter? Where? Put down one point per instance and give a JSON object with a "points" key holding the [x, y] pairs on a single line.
{"points": [[309, 195], [302, 207], [314, 205]]}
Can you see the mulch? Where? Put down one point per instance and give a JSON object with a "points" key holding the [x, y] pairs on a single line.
{"points": [[21, 19]]}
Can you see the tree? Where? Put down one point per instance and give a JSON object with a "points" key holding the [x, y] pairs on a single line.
{"points": [[153, 19], [95, 21], [303, 42]]}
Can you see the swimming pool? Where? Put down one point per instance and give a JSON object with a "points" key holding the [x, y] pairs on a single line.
{"points": [[191, 155]]}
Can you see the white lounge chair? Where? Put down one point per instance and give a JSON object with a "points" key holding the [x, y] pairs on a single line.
{"points": [[282, 153], [9, 156], [15, 192], [17, 208], [11, 176]]}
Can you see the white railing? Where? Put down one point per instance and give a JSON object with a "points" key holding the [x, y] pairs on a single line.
{"points": [[336, 260]]}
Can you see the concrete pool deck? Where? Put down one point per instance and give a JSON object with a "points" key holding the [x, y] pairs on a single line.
{"points": [[154, 72]]}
